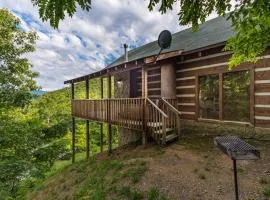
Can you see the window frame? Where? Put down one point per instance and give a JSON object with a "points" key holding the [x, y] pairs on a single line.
{"points": [[221, 73]]}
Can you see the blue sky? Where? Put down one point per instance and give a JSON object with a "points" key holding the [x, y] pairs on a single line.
{"points": [[88, 41]]}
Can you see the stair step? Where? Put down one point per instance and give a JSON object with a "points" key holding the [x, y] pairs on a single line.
{"points": [[154, 124], [171, 137], [160, 131]]}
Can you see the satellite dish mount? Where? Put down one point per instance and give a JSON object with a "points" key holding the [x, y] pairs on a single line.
{"points": [[164, 41]]}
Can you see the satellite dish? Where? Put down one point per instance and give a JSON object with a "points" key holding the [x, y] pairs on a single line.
{"points": [[164, 39]]}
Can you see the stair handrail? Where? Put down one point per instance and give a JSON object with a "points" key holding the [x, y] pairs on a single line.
{"points": [[163, 119], [172, 108], [176, 112], [156, 107]]}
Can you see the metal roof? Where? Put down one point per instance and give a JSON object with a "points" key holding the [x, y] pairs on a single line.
{"points": [[211, 32]]}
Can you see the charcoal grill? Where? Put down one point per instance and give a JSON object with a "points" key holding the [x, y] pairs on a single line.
{"points": [[236, 149]]}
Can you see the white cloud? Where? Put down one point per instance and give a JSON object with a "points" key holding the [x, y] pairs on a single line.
{"points": [[83, 43]]}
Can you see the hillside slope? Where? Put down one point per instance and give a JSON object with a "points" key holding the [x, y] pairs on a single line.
{"points": [[54, 109], [192, 168]]}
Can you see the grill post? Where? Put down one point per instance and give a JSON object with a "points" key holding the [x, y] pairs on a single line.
{"points": [[236, 149], [235, 179]]}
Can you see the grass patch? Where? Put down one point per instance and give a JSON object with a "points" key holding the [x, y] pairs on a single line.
{"points": [[263, 181], [131, 194], [62, 164], [266, 191], [154, 194], [94, 179], [197, 142], [135, 174]]}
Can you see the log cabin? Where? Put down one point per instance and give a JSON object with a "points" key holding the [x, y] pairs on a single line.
{"points": [[189, 81]]}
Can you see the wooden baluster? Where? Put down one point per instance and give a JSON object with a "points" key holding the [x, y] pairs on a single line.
{"points": [[125, 105], [164, 131], [109, 116], [101, 114], [87, 121], [132, 112], [115, 111], [120, 113], [158, 127], [73, 125]]}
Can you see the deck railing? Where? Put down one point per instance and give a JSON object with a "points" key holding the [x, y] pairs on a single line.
{"points": [[158, 119], [125, 112]]}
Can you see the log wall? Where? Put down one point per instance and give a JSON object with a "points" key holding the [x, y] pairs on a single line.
{"points": [[153, 82], [190, 68]]}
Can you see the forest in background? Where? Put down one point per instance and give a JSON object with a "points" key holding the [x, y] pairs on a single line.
{"points": [[37, 135], [35, 131]]}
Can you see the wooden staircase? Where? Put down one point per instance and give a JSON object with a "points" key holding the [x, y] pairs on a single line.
{"points": [[163, 120]]}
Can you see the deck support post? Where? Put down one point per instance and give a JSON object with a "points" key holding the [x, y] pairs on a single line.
{"points": [[109, 115], [73, 125], [101, 124], [144, 95], [87, 121], [221, 91]]}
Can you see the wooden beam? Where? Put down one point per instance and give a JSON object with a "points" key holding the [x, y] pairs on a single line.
{"points": [[162, 56], [144, 95], [101, 124], [221, 96], [87, 122], [197, 94], [168, 81], [109, 115], [144, 83], [252, 95], [73, 125]]}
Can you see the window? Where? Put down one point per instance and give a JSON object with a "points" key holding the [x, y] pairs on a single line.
{"points": [[236, 96], [209, 97]]}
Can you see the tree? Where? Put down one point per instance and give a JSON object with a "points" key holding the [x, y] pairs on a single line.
{"points": [[28, 147], [54, 10], [250, 20], [16, 78]]}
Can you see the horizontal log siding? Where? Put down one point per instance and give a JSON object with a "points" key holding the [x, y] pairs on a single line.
{"points": [[186, 72], [138, 75], [154, 82], [185, 92], [262, 93]]}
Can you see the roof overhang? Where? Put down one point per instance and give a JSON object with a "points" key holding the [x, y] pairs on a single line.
{"points": [[127, 66]]}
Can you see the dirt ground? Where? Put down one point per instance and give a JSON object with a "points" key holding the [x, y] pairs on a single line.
{"points": [[194, 169]]}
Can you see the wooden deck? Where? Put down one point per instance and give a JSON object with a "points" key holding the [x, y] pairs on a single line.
{"points": [[159, 119]]}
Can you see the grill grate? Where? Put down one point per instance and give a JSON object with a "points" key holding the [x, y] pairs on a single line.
{"points": [[236, 148]]}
